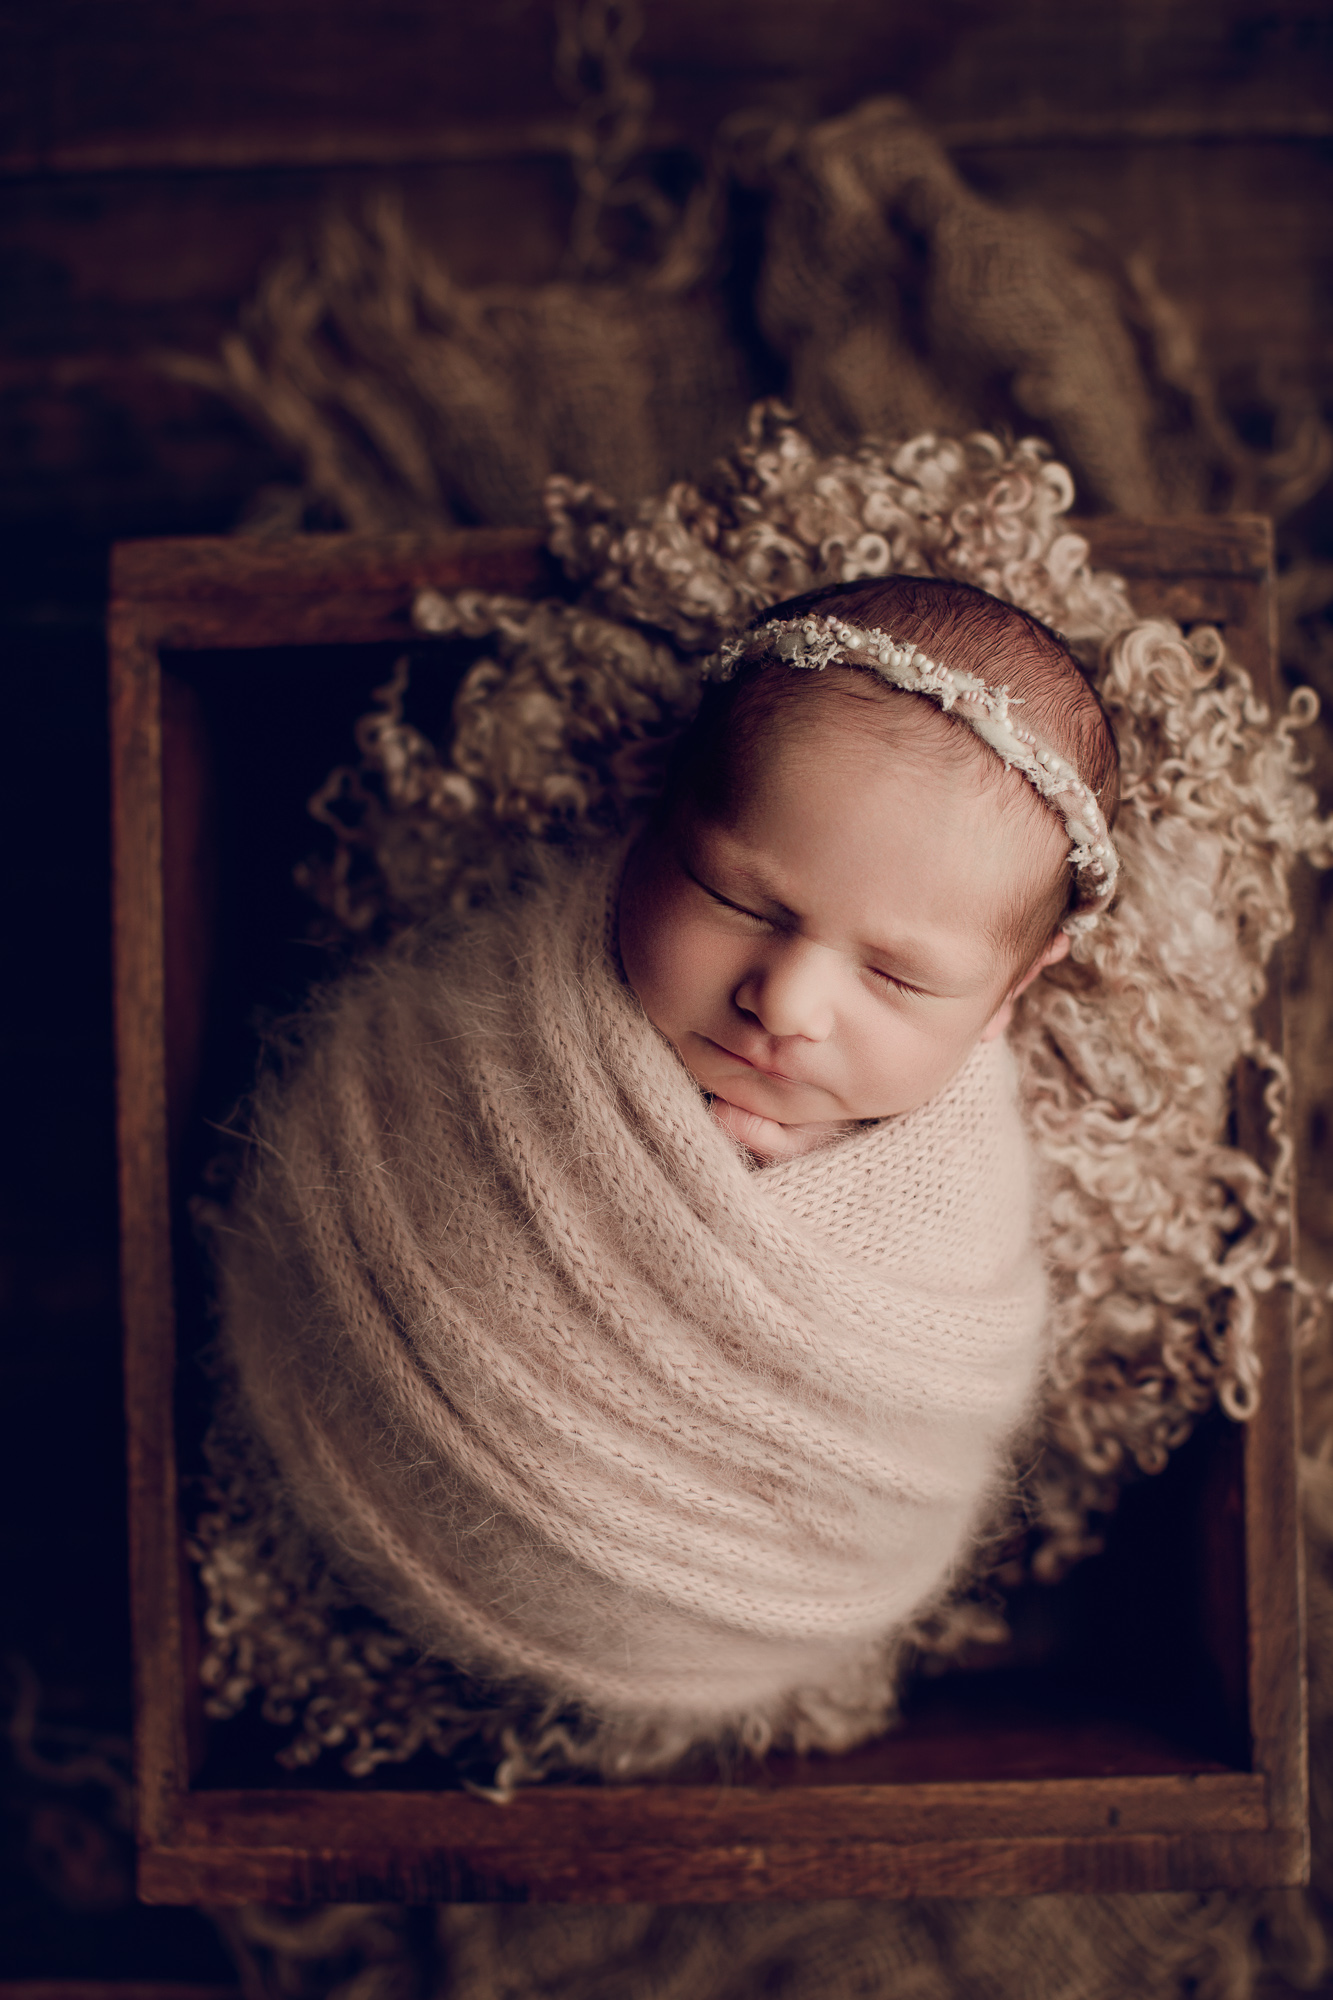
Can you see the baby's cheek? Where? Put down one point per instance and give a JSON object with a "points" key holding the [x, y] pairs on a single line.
{"points": [[660, 969], [898, 1066], [646, 947], [688, 971]]}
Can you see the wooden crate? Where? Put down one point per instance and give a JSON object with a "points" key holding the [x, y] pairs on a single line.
{"points": [[1147, 1729]]}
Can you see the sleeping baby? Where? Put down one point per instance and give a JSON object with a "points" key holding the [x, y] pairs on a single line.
{"points": [[843, 882], [632, 1288]]}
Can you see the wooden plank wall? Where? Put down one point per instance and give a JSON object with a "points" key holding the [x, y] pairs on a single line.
{"points": [[153, 156]]}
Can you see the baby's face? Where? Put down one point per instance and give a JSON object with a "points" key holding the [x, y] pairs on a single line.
{"points": [[817, 949]]}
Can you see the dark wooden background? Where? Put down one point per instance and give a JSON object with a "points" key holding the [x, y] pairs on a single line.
{"points": [[154, 154]]}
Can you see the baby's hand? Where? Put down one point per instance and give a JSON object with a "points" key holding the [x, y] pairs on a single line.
{"points": [[766, 1139]]}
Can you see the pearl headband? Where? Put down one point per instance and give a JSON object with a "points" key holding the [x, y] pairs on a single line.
{"points": [[819, 639]]}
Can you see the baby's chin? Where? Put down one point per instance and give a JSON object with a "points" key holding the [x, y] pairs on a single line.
{"points": [[766, 1139]]}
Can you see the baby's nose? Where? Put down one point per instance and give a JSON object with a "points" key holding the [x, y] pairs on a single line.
{"points": [[789, 993]]}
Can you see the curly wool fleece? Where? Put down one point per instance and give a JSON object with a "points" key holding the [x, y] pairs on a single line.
{"points": [[576, 1397]]}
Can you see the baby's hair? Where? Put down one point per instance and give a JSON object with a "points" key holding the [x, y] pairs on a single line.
{"points": [[963, 627]]}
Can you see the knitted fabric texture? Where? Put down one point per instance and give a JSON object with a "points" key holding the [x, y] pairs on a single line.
{"points": [[575, 1396]]}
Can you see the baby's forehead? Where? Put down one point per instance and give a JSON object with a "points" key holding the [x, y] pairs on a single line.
{"points": [[838, 768], [799, 767], [849, 713]]}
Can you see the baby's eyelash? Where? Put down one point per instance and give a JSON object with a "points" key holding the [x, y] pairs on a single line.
{"points": [[739, 910], [899, 985], [715, 895], [727, 903]]}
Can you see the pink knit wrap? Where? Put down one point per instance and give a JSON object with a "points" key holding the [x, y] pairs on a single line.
{"points": [[565, 1387]]}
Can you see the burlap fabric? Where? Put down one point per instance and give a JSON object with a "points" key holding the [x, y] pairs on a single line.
{"points": [[890, 298]]}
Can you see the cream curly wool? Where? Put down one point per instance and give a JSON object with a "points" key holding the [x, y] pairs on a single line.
{"points": [[574, 1395]]}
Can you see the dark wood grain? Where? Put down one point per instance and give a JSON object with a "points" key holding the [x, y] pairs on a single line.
{"points": [[312, 589], [1274, 1576], [76, 91], [224, 568], [790, 1872], [1202, 549], [147, 1289], [1275, 1556], [999, 1807], [672, 1815], [114, 1989]]}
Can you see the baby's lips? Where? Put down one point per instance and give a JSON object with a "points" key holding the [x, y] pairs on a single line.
{"points": [[752, 1062]]}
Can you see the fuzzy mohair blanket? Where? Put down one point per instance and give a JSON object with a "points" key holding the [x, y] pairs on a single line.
{"points": [[574, 1395]]}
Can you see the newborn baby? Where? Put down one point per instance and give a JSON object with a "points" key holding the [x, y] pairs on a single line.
{"points": [[844, 890], [555, 1379]]}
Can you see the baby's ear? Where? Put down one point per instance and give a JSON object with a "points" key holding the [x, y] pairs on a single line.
{"points": [[1057, 949]]}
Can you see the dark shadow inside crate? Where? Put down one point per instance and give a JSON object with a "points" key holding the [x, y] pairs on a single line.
{"points": [[1134, 1664]]}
